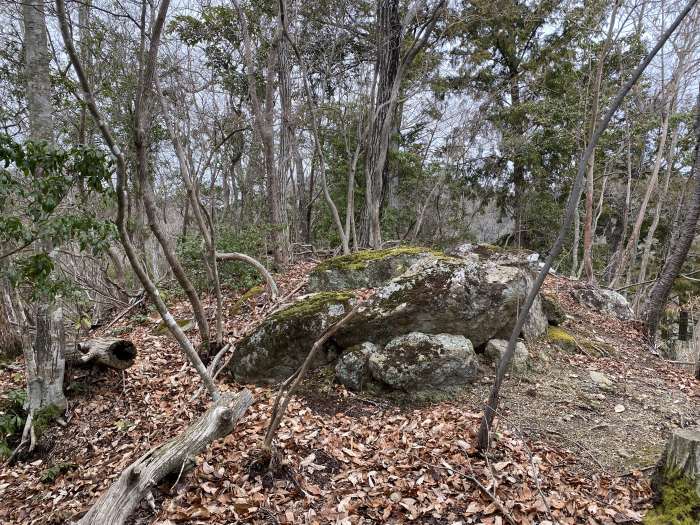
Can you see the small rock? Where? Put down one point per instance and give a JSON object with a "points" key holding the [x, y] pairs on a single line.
{"points": [[601, 380], [496, 348], [351, 369], [619, 408]]}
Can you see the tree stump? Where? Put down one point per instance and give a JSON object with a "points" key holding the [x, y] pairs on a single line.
{"points": [[683, 454], [107, 351]]}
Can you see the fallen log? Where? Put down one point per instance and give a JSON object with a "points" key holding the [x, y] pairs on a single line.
{"points": [[136, 481], [107, 351]]}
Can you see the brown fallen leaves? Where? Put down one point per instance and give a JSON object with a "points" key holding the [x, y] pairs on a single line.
{"points": [[348, 460]]}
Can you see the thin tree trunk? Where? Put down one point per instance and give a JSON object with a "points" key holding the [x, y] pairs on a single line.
{"points": [[45, 360], [572, 203], [574, 244], [631, 245], [679, 252], [588, 231]]}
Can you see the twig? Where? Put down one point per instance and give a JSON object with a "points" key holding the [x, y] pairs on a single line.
{"points": [[504, 512], [126, 311]]}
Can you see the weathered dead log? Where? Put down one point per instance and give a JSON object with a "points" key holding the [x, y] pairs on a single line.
{"points": [[107, 351], [136, 481]]}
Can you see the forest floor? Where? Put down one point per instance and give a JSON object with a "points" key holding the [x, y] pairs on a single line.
{"points": [[565, 451]]}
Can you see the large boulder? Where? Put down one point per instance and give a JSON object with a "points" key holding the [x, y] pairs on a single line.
{"points": [[604, 301], [478, 299], [365, 269], [281, 343], [417, 361]]}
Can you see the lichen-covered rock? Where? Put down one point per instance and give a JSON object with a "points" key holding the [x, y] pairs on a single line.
{"points": [[418, 361], [476, 299], [277, 348], [365, 269], [496, 348], [352, 368], [553, 311], [604, 301]]}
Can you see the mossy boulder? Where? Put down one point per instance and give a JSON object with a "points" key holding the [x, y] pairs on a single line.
{"points": [[417, 361], [365, 269], [476, 299], [281, 343]]}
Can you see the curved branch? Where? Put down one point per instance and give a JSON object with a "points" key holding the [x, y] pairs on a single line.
{"points": [[235, 256]]}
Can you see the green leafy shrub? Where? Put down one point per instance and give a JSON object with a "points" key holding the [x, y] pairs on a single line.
{"points": [[232, 274], [12, 418]]}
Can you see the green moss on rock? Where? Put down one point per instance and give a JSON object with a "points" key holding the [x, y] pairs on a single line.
{"points": [[312, 305], [359, 260], [562, 339]]}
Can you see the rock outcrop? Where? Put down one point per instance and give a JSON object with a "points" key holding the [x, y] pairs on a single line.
{"points": [[476, 299]]}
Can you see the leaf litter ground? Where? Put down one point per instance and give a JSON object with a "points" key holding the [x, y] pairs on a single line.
{"points": [[563, 452]]}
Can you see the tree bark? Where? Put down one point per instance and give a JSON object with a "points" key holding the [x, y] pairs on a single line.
{"points": [[679, 252], [115, 505]]}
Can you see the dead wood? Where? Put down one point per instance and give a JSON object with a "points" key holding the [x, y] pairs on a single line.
{"points": [[107, 351]]}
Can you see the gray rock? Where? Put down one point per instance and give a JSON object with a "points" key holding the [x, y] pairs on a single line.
{"points": [[474, 298], [496, 348], [352, 369], [604, 301], [365, 269], [600, 380], [282, 342], [418, 361]]}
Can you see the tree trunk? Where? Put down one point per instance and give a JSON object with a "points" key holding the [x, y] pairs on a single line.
{"points": [[679, 252], [45, 357], [588, 231], [630, 248], [171, 458], [107, 351]]}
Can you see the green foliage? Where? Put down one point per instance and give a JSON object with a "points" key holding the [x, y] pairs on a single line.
{"points": [[36, 183], [50, 474], [232, 274], [43, 418], [12, 418]]}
